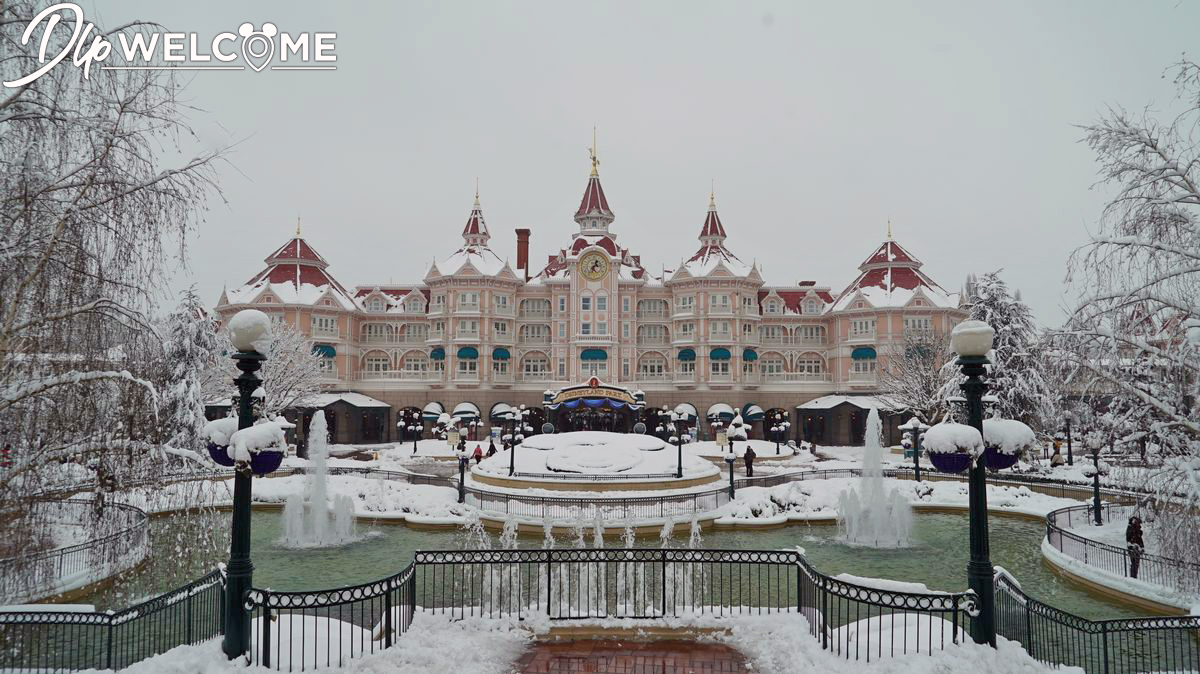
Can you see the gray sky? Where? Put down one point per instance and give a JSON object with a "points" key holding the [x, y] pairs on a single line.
{"points": [[819, 121]]}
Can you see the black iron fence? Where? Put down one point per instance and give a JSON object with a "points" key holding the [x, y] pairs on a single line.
{"points": [[599, 477], [123, 542], [60, 640], [1113, 559], [1160, 644]]}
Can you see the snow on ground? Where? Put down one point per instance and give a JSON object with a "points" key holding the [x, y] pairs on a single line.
{"points": [[778, 643], [595, 453], [818, 499], [1130, 586], [1112, 531], [763, 448]]}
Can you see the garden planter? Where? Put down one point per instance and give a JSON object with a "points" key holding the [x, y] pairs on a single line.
{"points": [[955, 462], [997, 460], [265, 462], [219, 454]]}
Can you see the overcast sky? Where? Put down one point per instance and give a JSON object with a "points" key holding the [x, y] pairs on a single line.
{"points": [[818, 121]]}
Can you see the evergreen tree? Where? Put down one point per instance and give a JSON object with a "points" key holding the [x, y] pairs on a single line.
{"points": [[1016, 374], [190, 347]]}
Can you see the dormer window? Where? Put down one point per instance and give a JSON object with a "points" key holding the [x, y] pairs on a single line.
{"points": [[811, 307], [375, 304], [772, 307]]}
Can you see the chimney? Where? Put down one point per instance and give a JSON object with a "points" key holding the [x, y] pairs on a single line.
{"points": [[523, 251]]}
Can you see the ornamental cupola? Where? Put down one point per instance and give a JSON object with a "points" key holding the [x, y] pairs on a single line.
{"points": [[594, 216], [475, 233]]}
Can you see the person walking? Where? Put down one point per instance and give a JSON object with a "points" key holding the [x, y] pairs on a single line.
{"points": [[1135, 544], [478, 454], [749, 457], [491, 448]]}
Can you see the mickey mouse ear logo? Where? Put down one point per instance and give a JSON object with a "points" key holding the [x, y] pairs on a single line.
{"points": [[257, 47]]}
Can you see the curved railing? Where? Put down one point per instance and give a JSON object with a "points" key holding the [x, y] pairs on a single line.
{"points": [[590, 585], [1113, 559], [44, 574], [1158, 644]]}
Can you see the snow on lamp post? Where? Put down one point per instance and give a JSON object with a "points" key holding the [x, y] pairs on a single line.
{"points": [[914, 432], [249, 331], [729, 459], [972, 340], [463, 460]]}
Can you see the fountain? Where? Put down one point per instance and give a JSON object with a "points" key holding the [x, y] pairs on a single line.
{"points": [[311, 523], [871, 515]]}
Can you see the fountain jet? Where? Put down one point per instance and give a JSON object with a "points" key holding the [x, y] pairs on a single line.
{"points": [[872, 515]]}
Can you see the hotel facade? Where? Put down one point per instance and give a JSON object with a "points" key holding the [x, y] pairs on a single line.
{"points": [[710, 332]]}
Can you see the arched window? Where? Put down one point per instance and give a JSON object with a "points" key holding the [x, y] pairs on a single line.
{"points": [[772, 366], [375, 304], [416, 362], [377, 361], [810, 364], [652, 366], [535, 365], [811, 307]]}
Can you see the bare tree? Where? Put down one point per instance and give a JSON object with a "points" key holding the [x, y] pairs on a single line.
{"points": [[91, 209], [1133, 332], [913, 378]]}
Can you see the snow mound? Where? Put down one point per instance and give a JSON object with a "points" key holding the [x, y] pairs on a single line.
{"points": [[598, 441]]}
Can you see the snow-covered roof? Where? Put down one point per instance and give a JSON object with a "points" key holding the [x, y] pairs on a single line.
{"points": [[713, 255], [862, 402], [892, 277], [479, 258], [322, 400], [295, 274]]}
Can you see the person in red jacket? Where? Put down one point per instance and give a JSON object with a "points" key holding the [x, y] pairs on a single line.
{"points": [[478, 454]]}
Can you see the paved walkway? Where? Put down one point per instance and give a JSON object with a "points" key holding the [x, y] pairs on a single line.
{"points": [[630, 657]]}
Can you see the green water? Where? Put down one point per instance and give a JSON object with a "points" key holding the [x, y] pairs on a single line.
{"points": [[937, 558]]}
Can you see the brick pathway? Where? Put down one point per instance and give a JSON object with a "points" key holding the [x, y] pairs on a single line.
{"points": [[630, 657]]}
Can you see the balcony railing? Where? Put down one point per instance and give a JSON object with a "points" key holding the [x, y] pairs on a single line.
{"points": [[467, 308], [652, 376], [775, 341], [534, 340], [794, 376], [502, 377], [402, 375], [652, 341], [862, 336], [863, 378], [535, 376], [534, 313], [467, 335], [396, 339], [653, 315], [322, 332], [684, 377]]}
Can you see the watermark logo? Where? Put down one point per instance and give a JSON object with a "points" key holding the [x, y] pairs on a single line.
{"points": [[77, 38]]}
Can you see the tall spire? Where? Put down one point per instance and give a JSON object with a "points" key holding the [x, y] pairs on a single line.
{"points": [[475, 233], [594, 215], [712, 233], [297, 226], [889, 229]]}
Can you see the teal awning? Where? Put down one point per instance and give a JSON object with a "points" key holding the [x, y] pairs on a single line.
{"points": [[438, 353], [752, 412], [500, 353], [324, 350], [719, 353], [687, 354], [863, 353], [468, 353], [593, 354], [749, 355]]}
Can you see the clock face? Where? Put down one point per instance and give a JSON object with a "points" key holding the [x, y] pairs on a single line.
{"points": [[594, 266]]}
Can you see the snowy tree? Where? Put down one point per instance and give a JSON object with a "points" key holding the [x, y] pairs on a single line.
{"points": [[1016, 375], [191, 347], [913, 377], [1133, 332], [94, 200], [290, 373]]}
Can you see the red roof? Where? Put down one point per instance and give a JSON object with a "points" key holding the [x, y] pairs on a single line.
{"points": [[475, 225], [604, 242], [593, 199], [296, 249], [712, 225], [889, 252], [793, 298]]}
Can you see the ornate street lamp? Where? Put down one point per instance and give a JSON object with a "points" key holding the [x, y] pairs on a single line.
{"points": [[972, 340], [247, 329], [914, 432], [463, 460], [1095, 442], [729, 459], [1070, 453]]}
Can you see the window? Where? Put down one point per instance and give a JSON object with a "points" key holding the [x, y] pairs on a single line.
{"points": [[602, 303], [468, 328], [862, 327], [811, 307], [595, 368], [562, 368], [774, 334], [652, 366], [535, 365], [468, 301], [602, 328], [328, 367], [719, 330], [773, 307], [810, 333], [585, 328], [772, 366], [685, 303], [918, 324], [747, 331], [562, 305], [652, 334], [468, 367], [687, 367], [687, 330], [501, 303], [748, 304], [625, 330], [720, 368], [438, 327], [439, 302], [499, 367], [377, 332], [718, 302], [538, 334], [325, 325], [378, 362], [625, 304], [500, 328], [585, 303], [863, 366], [562, 329], [625, 368], [375, 304], [809, 365], [414, 304], [415, 364]]}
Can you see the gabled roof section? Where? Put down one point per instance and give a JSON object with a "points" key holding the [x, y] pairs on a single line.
{"points": [[295, 274], [475, 258], [892, 277], [594, 202], [713, 257]]}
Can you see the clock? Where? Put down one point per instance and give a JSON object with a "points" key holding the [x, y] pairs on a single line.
{"points": [[594, 265]]}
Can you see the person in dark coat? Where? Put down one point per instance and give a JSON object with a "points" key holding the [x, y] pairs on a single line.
{"points": [[491, 448], [1135, 544], [749, 457]]}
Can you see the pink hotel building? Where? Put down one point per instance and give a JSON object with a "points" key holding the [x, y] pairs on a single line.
{"points": [[706, 333]]}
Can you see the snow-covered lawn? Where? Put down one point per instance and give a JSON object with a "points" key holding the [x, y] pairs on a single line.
{"points": [[596, 453], [779, 644], [818, 499], [763, 448]]}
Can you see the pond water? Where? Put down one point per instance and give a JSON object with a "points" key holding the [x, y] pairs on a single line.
{"points": [[937, 557]]}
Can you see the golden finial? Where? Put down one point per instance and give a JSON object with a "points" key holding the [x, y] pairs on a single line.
{"points": [[592, 154], [889, 229], [712, 194], [297, 226], [477, 191]]}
